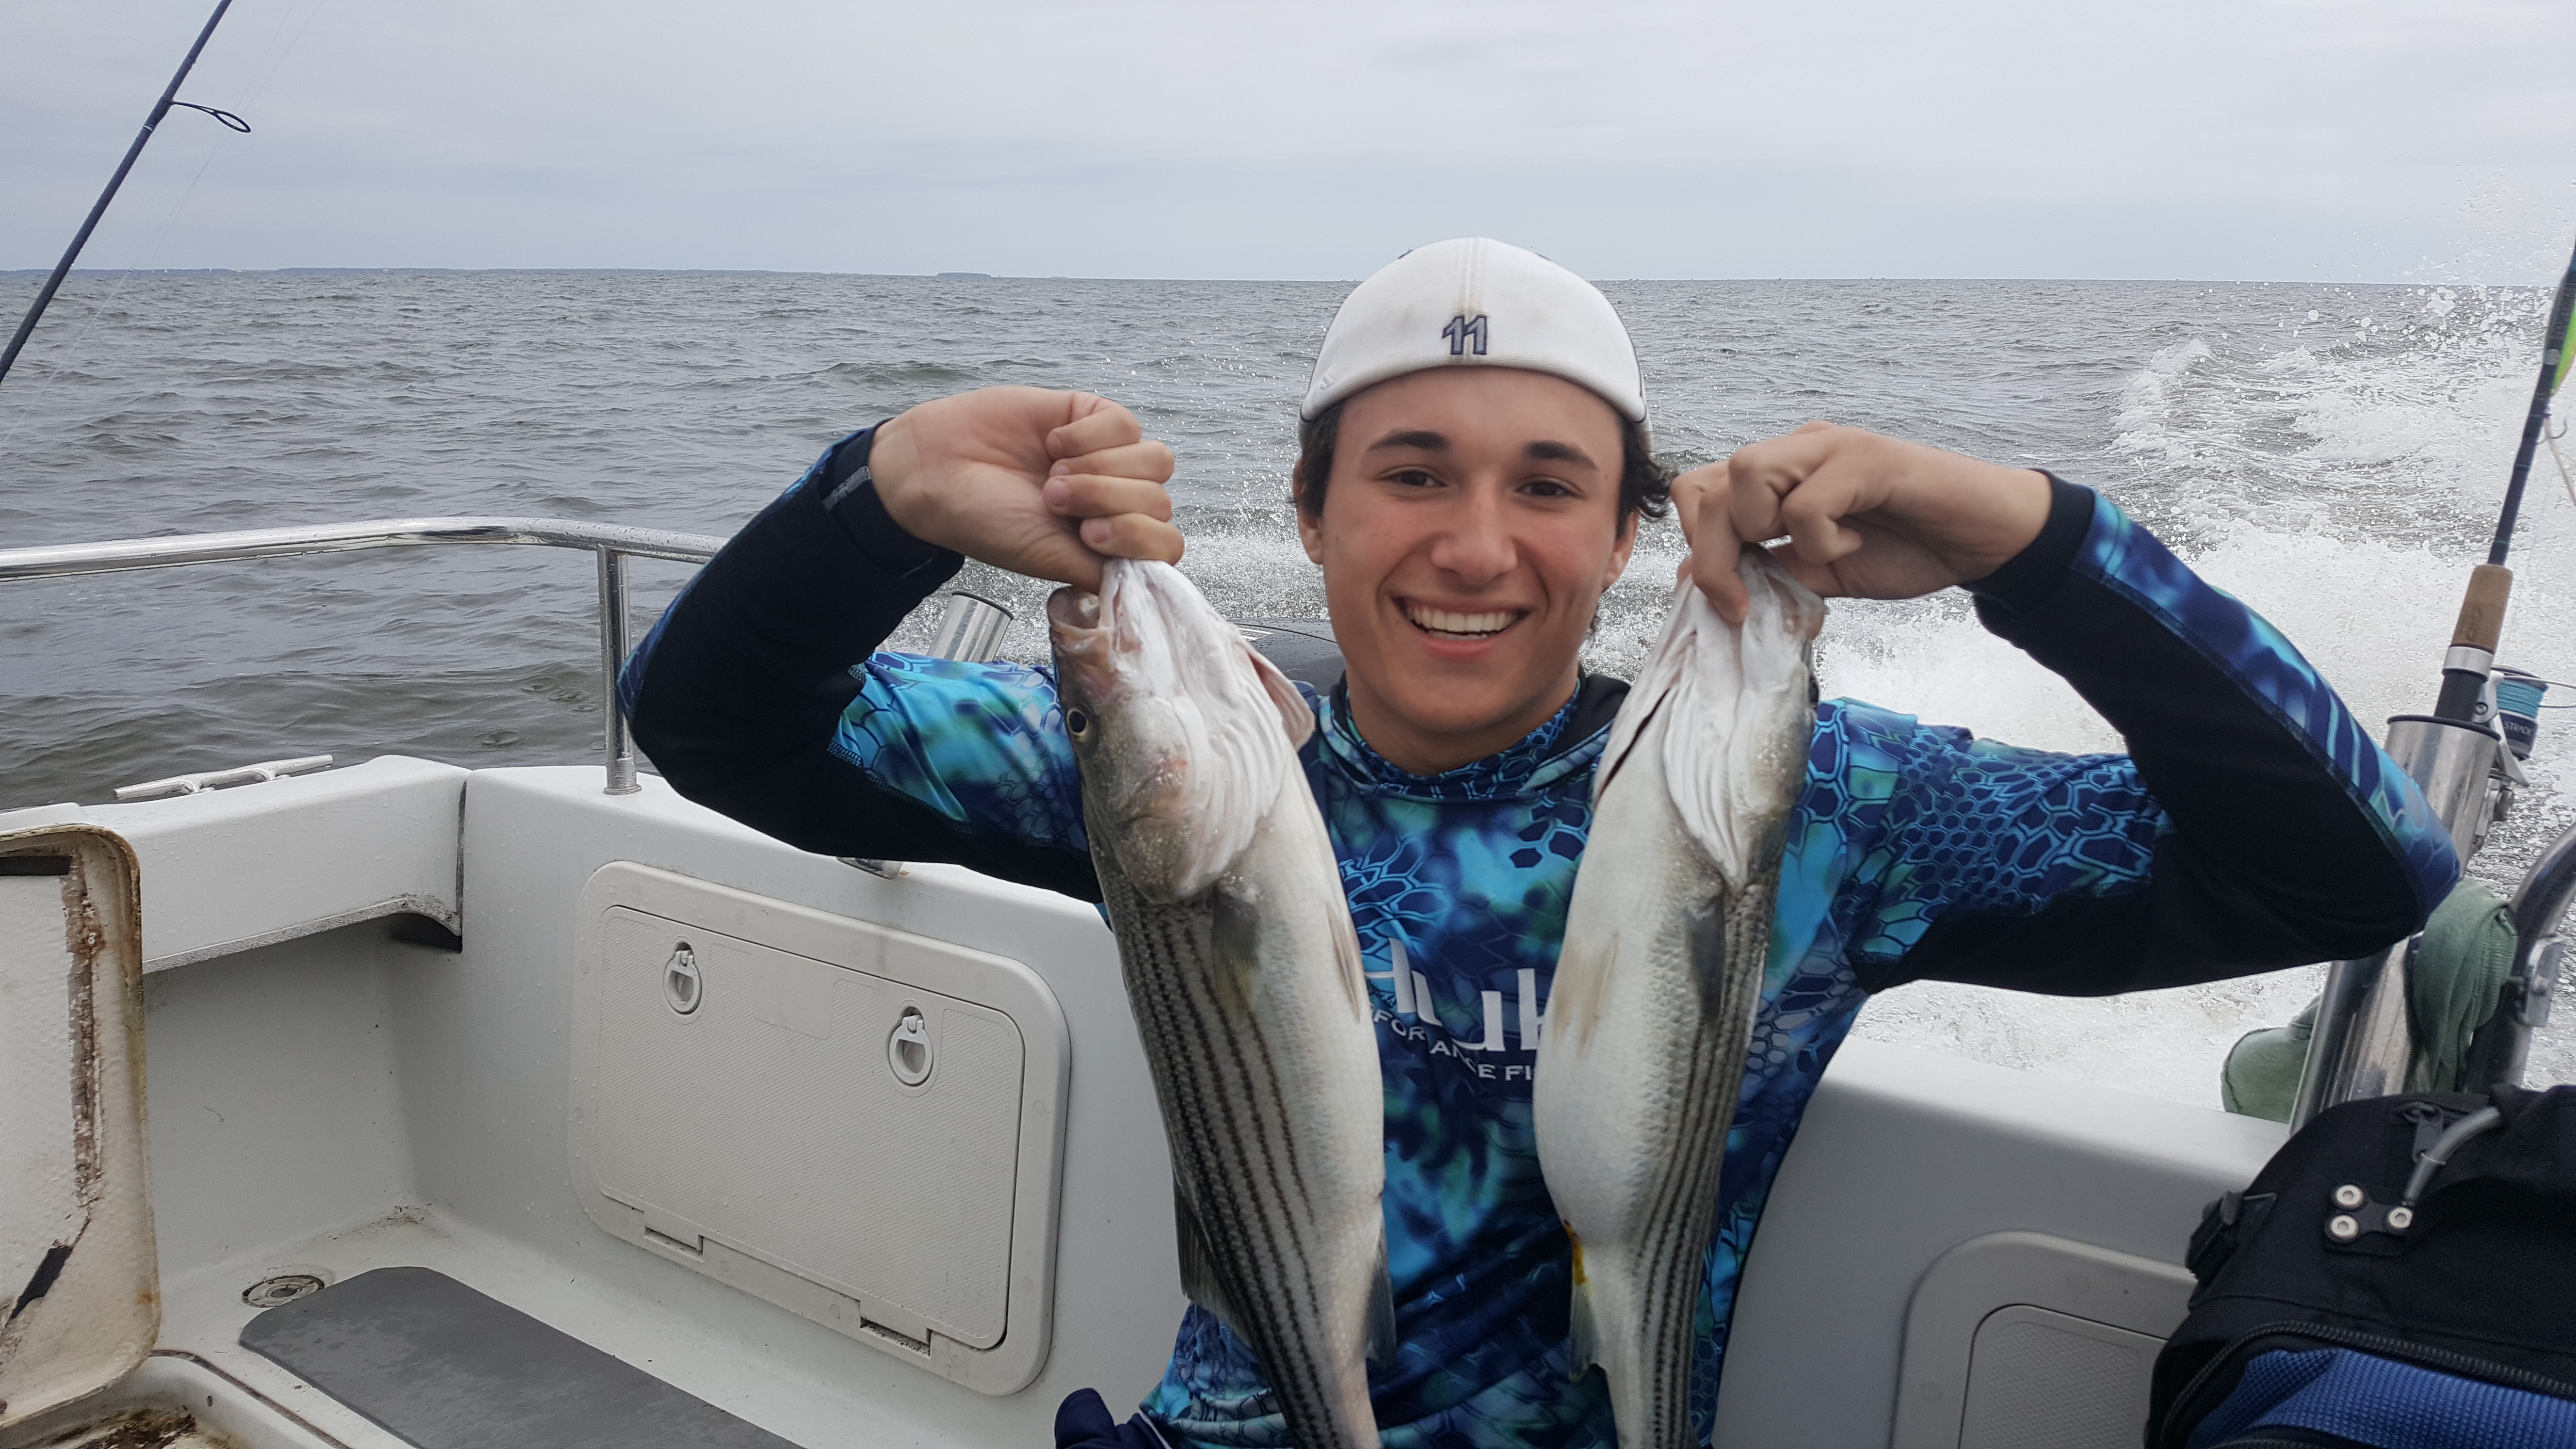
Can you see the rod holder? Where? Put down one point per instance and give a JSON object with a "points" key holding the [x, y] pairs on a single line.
{"points": [[973, 628], [2454, 764], [2362, 1044]]}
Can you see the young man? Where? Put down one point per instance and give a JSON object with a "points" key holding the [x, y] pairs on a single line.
{"points": [[1472, 474]]}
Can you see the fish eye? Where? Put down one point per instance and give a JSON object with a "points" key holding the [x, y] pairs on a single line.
{"points": [[1077, 724]]}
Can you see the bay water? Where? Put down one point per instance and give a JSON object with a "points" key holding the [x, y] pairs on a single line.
{"points": [[2332, 454]]}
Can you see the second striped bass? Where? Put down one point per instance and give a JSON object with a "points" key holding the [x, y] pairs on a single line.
{"points": [[1244, 976], [1642, 1059]]}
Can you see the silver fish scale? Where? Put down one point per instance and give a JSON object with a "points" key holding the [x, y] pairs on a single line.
{"points": [[1670, 1259], [1650, 1018], [1238, 1161], [1639, 1075]]}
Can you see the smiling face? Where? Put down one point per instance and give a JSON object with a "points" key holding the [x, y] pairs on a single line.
{"points": [[1469, 527]]}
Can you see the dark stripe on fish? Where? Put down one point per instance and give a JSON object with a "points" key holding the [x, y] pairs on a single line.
{"points": [[1221, 1048], [1685, 1210]]}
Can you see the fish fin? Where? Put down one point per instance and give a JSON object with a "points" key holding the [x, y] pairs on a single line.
{"points": [[1294, 712], [1574, 1001], [1234, 951], [1580, 1327], [1198, 1263], [1704, 937], [1349, 963], [1625, 732], [1652, 692], [1381, 1338]]}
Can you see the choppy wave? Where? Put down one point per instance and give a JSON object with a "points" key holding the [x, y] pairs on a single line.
{"points": [[2333, 455]]}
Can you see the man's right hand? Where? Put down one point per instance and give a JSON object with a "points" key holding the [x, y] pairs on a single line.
{"points": [[1042, 483]]}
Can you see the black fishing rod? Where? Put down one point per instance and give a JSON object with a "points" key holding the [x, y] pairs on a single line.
{"points": [[2481, 622], [160, 108], [2363, 1041]]}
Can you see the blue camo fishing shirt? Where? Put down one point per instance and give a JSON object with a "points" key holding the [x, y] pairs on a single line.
{"points": [[1458, 887], [1915, 851]]}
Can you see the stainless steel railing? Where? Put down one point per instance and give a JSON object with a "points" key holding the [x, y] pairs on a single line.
{"points": [[611, 544], [973, 628]]}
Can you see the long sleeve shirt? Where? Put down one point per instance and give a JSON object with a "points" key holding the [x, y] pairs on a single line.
{"points": [[2252, 825]]}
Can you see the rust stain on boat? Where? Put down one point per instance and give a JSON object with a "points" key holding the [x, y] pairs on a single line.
{"points": [[84, 939], [102, 931]]}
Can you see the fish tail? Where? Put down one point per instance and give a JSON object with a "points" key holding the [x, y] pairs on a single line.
{"points": [[1382, 1336], [1587, 1340], [1609, 1328], [1582, 1325]]}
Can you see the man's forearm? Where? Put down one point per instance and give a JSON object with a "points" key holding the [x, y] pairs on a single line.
{"points": [[2293, 837], [736, 692]]}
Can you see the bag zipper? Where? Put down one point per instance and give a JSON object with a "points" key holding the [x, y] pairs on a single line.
{"points": [[2504, 1375]]}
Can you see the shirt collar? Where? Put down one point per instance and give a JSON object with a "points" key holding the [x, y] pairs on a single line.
{"points": [[1540, 759]]}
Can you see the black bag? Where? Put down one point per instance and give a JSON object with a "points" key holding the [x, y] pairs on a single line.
{"points": [[2474, 1278]]}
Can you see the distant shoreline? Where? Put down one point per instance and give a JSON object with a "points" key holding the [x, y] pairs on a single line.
{"points": [[32, 273]]}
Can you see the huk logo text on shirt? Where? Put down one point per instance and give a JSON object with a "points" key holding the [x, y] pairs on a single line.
{"points": [[1417, 1018]]}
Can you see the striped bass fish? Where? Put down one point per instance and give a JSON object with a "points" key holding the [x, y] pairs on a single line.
{"points": [[1642, 1059], [1244, 976]]}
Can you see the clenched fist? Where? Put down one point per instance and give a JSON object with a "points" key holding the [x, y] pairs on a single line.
{"points": [[1041, 483]]}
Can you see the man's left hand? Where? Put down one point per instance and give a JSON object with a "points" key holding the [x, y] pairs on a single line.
{"points": [[1867, 517]]}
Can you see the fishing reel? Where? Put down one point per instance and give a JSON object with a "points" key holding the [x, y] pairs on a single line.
{"points": [[2510, 707], [2469, 762]]}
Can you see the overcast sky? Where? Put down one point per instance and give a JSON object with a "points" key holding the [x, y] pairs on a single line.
{"points": [[2359, 140]]}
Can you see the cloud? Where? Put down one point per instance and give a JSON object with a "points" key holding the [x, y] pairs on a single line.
{"points": [[2350, 140]]}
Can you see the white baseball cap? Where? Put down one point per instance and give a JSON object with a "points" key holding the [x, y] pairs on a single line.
{"points": [[1476, 302]]}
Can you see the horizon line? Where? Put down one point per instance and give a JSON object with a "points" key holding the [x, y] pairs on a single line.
{"points": [[7, 273]]}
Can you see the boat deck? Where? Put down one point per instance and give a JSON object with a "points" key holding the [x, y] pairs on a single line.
{"points": [[334, 1090]]}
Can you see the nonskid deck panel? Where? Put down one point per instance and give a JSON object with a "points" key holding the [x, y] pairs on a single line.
{"points": [[445, 1367]]}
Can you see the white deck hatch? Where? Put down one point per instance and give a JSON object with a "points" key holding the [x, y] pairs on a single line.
{"points": [[859, 1124], [2020, 1340]]}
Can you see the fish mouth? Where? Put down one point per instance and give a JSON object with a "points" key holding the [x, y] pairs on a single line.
{"points": [[1459, 626], [1085, 660], [1074, 612]]}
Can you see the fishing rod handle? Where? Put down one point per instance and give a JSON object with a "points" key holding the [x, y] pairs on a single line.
{"points": [[2473, 642], [2481, 621]]}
